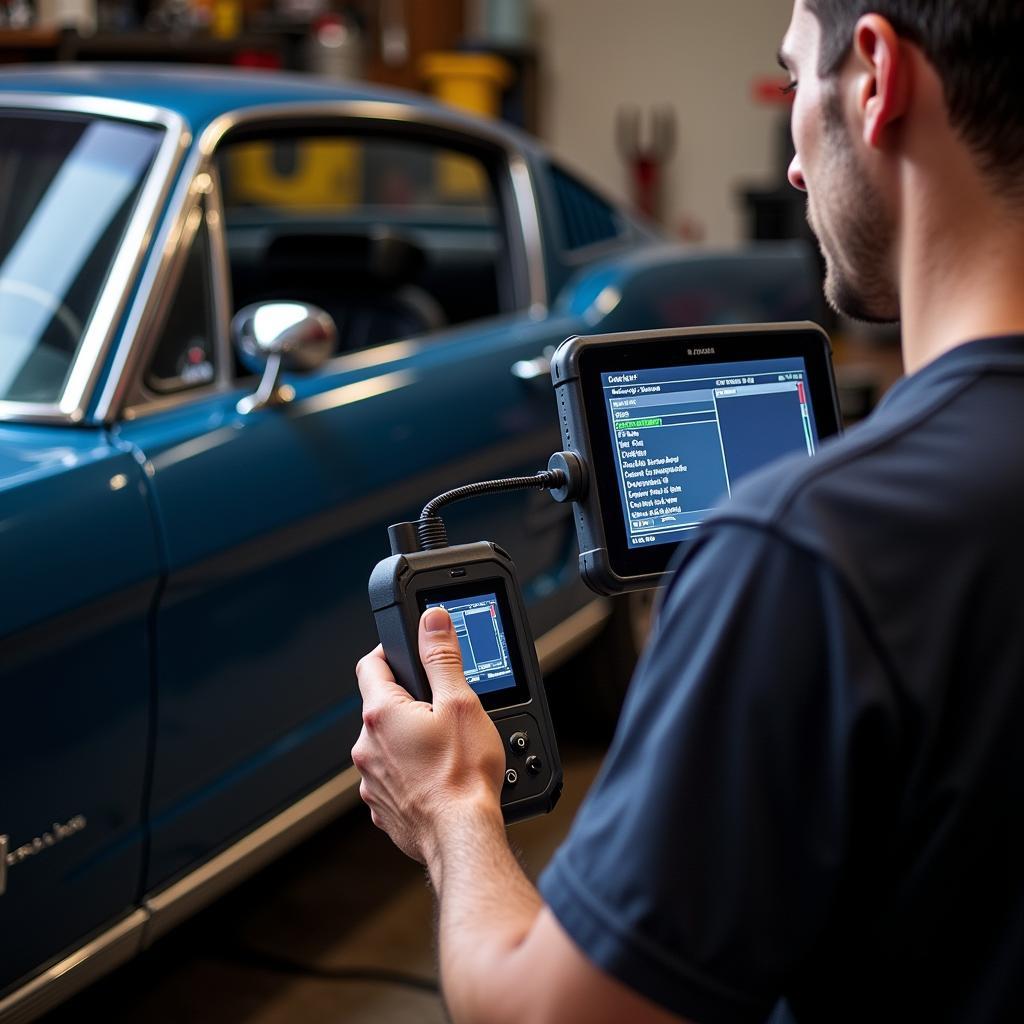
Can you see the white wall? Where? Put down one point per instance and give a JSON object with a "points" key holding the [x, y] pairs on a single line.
{"points": [[699, 56]]}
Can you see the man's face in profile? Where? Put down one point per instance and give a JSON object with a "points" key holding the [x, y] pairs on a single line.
{"points": [[847, 210]]}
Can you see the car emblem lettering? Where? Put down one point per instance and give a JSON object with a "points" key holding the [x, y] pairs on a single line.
{"points": [[57, 833]]}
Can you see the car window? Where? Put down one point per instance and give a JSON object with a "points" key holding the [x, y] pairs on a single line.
{"points": [[184, 356], [393, 237], [584, 217], [68, 185]]}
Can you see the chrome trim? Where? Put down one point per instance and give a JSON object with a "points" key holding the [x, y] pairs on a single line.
{"points": [[32, 412], [147, 308], [162, 911], [221, 281], [180, 900], [99, 332], [523, 191], [148, 406], [529, 223], [539, 367], [204, 189], [350, 362], [87, 964], [559, 644]]}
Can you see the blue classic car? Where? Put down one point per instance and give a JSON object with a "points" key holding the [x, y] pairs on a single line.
{"points": [[246, 321]]}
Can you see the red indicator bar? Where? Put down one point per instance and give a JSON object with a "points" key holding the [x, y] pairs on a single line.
{"points": [[494, 614], [800, 392]]}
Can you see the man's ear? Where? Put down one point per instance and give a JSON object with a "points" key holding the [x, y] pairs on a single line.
{"points": [[881, 75]]}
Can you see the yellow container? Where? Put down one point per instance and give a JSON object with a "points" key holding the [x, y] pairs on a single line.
{"points": [[469, 81], [327, 175], [227, 19]]}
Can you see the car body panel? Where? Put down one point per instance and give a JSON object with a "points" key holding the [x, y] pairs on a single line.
{"points": [[75, 673], [199, 95], [185, 590], [259, 624], [672, 285]]}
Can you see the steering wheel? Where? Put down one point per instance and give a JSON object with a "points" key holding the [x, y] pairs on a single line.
{"points": [[57, 309]]}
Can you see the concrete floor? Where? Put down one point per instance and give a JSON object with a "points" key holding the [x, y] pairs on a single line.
{"points": [[345, 899]]}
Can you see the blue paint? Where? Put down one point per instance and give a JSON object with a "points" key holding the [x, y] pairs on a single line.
{"points": [[184, 594]]}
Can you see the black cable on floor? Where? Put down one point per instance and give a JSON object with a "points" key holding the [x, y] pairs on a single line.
{"points": [[264, 960]]}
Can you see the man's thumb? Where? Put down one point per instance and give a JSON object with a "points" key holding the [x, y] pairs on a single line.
{"points": [[441, 654]]}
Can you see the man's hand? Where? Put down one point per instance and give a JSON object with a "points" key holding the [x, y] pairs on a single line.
{"points": [[422, 763], [432, 776]]}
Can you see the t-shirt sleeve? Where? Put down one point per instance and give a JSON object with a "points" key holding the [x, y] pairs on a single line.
{"points": [[711, 854]]}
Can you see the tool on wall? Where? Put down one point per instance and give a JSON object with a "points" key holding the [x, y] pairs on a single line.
{"points": [[394, 33], [646, 158]]}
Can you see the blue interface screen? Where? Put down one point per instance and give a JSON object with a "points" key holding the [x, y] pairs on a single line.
{"points": [[477, 623], [683, 436]]}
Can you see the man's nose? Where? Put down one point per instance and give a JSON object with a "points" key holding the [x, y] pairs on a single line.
{"points": [[796, 175]]}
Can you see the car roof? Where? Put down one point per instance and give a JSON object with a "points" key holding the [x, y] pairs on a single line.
{"points": [[200, 93]]}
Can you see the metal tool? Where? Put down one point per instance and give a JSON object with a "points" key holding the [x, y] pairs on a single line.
{"points": [[646, 159]]}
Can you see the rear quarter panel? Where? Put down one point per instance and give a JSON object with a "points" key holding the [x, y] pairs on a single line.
{"points": [[676, 286]]}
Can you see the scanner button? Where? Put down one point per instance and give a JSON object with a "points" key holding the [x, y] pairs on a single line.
{"points": [[519, 742], [533, 765], [511, 777]]}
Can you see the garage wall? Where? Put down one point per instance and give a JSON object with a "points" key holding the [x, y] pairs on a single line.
{"points": [[701, 56]]}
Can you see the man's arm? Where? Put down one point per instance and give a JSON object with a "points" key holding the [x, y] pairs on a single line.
{"points": [[432, 777]]}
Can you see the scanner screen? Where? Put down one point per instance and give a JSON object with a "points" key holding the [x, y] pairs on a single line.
{"points": [[485, 654], [683, 436]]}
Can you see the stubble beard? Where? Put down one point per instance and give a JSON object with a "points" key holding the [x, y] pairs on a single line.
{"points": [[857, 234]]}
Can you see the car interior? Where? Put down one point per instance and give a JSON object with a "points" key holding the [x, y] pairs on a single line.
{"points": [[407, 237]]}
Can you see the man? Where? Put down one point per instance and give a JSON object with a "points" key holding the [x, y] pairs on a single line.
{"points": [[815, 797]]}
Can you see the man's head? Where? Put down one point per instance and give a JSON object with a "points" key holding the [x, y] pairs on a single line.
{"points": [[858, 64]]}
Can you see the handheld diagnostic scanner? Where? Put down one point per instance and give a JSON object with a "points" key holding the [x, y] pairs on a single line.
{"points": [[477, 585], [658, 426]]}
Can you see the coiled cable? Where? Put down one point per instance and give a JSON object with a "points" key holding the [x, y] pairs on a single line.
{"points": [[430, 527]]}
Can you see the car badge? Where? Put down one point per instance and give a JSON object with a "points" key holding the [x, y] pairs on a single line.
{"points": [[57, 834]]}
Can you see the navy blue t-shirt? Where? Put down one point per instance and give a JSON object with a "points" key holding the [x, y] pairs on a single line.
{"points": [[816, 792]]}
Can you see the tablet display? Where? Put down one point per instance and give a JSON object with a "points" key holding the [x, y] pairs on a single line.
{"points": [[667, 422], [683, 436]]}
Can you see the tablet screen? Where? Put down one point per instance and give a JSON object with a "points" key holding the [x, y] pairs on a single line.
{"points": [[667, 422], [682, 436]]}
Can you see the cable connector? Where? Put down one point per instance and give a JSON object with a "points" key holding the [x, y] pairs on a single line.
{"points": [[431, 528], [573, 471], [565, 478]]}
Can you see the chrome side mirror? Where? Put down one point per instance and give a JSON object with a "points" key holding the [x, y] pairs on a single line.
{"points": [[279, 335]]}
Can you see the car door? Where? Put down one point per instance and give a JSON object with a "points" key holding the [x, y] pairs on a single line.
{"points": [[78, 553], [272, 520], [80, 571]]}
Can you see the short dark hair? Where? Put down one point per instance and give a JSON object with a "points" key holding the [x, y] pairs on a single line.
{"points": [[977, 49]]}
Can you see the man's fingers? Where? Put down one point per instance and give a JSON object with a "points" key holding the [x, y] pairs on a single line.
{"points": [[441, 656], [377, 683]]}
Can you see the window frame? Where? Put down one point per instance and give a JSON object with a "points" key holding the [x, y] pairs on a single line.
{"points": [[98, 337], [511, 296], [630, 229], [205, 211], [620, 218], [515, 192]]}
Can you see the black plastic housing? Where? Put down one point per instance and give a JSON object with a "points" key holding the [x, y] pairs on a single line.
{"points": [[606, 565], [396, 590]]}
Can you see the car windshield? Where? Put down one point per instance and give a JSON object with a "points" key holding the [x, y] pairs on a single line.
{"points": [[68, 184]]}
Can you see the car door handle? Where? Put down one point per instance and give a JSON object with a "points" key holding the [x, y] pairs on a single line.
{"points": [[536, 368]]}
